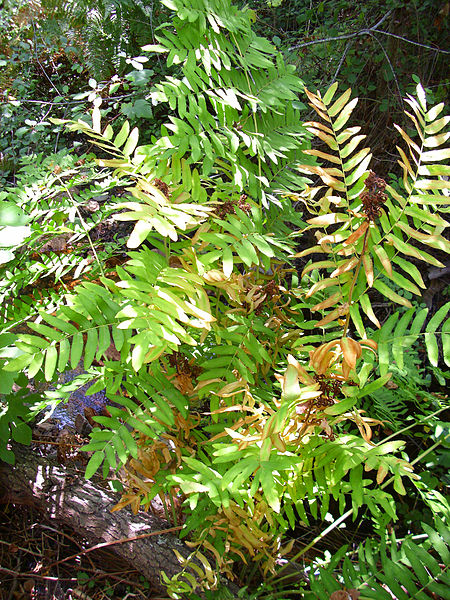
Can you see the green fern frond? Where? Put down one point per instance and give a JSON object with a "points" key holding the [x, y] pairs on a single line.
{"points": [[369, 227], [391, 570], [234, 83], [398, 334]]}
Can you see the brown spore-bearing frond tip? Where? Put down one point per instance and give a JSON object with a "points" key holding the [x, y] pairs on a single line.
{"points": [[224, 209], [243, 205], [373, 196], [162, 187]]}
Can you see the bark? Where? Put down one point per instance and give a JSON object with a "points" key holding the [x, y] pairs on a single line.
{"points": [[85, 507]]}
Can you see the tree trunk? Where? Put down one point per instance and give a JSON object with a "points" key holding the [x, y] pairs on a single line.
{"points": [[86, 508]]}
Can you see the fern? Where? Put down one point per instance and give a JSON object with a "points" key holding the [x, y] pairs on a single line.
{"points": [[223, 386], [391, 570], [400, 332], [230, 98], [369, 227]]}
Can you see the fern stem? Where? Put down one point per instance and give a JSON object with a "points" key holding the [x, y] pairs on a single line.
{"points": [[315, 541], [255, 123], [84, 225], [397, 433], [353, 283], [430, 449]]}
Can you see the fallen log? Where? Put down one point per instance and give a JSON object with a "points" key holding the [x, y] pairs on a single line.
{"points": [[84, 506]]}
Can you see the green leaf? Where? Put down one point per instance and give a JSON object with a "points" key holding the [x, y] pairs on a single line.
{"points": [[129, 441], [11, 214], [21, 433], [269, 488], [131, 142], [374, 385], [432, 348], [122, 135], [13, 236], [345, 115], [341, 407], [227, 259], [328, 97], [51, 358], [36, 365], [94, 463], [90, 348], [437, 318], [76, 350], [386, 291], [340, 103]]}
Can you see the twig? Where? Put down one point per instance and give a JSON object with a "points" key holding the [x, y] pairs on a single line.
{"points": [[117, 576], [35, 575], [22, 549], [341, 62], [368, 31], [66, 102], [388, 60], [83, 223], [69, 538], [399, 37], [347, 36]]}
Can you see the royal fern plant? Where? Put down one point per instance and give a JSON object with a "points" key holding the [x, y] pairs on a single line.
{"points": [[236, 382]]}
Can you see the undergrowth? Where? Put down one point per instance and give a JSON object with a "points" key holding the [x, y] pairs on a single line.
{"points": [[254, 394]]}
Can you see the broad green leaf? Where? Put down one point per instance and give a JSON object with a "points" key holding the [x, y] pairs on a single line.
{"points": [[227, 259], [389, 293], [122, 136], [13, 236], [120, 448], [58, 323], [367, 308], [340, 103], [94, 463], [341, 406], [345, 115], [432, 348], [434, 112], [129, 441], [410, 250], [374, 385], [446, 342], [380, 252], [359, 171], [76, 350], [131, 142], [63, 354], [11, 214], [104, 341], [437, 318], [46, 331], [269, 488], [51, 358], [19, 363], [435, 155], [90, 347], [426, 216], [21, 433], [36, 365], [435, 127], [356, 159], [328, 97]]}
